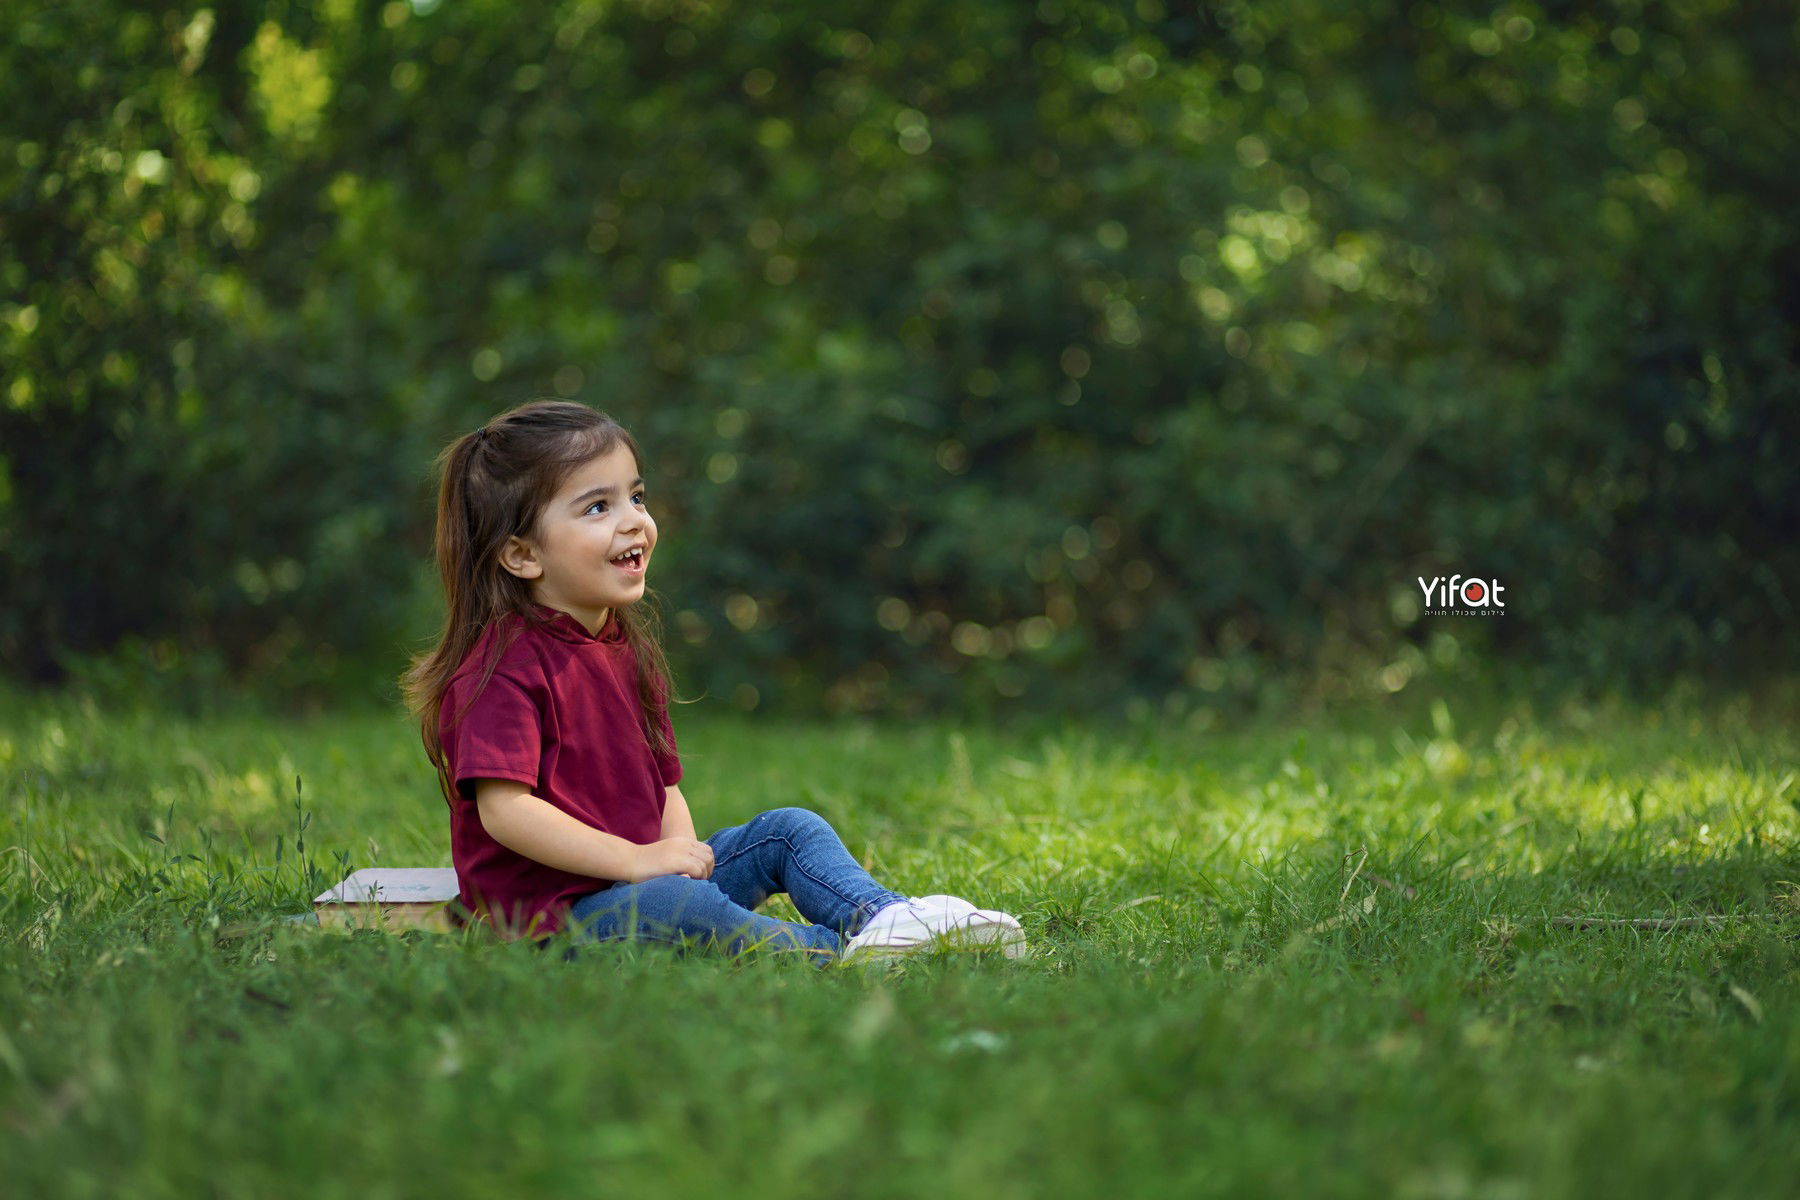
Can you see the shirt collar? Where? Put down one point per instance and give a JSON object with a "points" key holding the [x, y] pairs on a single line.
{"points": [[564, 628]]}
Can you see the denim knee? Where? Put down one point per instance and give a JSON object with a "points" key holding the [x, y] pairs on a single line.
{"points": [[797, 820]]}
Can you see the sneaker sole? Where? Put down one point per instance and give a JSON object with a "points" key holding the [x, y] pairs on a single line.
{"points": [[1005, 936]]}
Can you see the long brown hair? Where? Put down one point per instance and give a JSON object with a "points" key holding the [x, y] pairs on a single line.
{"points": [[495, 482]]}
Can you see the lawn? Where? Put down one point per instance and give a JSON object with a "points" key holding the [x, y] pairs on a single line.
{"points": [[1309, 956]]}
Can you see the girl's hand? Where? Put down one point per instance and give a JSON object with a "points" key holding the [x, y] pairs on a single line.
{"points": [[672, 856]]}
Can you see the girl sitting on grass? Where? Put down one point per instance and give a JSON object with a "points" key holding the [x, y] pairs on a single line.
{"points": [[545, 708]]}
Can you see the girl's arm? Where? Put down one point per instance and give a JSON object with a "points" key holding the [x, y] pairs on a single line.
{"points": [[677, 820], [542, 832]]}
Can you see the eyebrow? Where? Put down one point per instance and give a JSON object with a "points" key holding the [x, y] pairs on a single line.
{"points": [[608, 490]]}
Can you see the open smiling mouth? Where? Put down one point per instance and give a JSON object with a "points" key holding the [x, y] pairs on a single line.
{"points": [[631, 562]]}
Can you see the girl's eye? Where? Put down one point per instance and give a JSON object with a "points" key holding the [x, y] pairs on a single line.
{"points": [[600, 505]]}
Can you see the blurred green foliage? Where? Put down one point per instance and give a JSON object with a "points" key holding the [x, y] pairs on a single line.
{"points": [[981, 351]]}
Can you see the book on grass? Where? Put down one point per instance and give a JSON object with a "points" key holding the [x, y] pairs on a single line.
{"points": [[390, 898]]}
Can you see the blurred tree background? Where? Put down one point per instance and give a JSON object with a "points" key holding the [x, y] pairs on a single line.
{"points": [[984, 353]]}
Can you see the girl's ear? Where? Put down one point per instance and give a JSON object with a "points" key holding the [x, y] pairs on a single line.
{"points": [[520, 558]]}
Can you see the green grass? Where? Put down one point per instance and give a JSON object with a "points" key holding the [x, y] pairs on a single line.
{"points": [[1276, 959]]}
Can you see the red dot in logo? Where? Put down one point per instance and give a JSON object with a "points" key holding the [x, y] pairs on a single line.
{"points": [[1474, 592]]}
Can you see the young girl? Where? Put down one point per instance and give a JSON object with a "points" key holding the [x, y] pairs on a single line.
{"points": [[545, 708]]}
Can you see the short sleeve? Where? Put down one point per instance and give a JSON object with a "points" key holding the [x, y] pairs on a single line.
{"points": [[499, 737], [668, 766]]}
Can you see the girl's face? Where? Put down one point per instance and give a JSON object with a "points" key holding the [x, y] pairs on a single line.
{"points": [[590, 551]]}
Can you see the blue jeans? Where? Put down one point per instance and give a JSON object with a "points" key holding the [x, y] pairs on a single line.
{"points": [[788, 850]]}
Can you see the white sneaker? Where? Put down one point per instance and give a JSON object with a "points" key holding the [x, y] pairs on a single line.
{"points": [[946, 922]]}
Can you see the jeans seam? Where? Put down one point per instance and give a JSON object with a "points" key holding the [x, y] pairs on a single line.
{"points": [[633, 913], [638, 933], [723, 943]]}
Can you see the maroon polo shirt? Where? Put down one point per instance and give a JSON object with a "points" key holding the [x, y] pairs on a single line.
{"points": [[561, 715]]}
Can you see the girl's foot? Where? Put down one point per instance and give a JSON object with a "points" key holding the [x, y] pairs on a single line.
{"points": [[940, 922]]}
